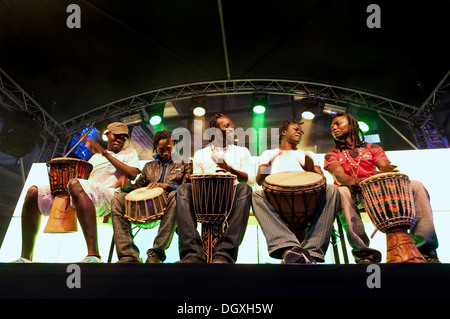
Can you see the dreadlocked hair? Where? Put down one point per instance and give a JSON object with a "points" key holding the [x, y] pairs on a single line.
{"points": [[284, 126], [161, 135], [213, 122], [354, 131]]}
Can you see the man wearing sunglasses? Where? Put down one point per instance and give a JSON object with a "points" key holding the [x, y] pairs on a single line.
{"points": [[113, 167], [167, 171]]}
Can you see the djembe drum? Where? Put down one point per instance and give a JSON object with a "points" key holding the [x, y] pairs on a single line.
{"points": [[213, 197], [145, 207], [295, 195], [389, 202], [62, 217]]}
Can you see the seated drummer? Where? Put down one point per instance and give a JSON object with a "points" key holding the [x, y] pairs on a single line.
{"points": [[162, 172], [91, 198], [220, 155], [350, 162], [282, 242]]}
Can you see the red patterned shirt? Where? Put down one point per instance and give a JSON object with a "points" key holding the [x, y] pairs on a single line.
{"points": [[360, 160]]}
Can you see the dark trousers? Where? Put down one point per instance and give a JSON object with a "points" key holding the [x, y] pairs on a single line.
{"points": [[190, 242]]}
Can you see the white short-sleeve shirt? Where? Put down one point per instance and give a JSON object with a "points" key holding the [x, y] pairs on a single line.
{"points": [[237, 157], [285, 160]]}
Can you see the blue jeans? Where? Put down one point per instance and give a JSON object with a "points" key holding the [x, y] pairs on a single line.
{"points": [[123, 237], [423, 232], [190, 242], [278, 235]]}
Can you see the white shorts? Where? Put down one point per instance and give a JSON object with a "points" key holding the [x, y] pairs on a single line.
{"points": [[100, 196]]}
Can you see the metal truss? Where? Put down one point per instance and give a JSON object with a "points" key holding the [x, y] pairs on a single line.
{"points": [[423, 125], [58, 135], [13, 97], [328, 93]]}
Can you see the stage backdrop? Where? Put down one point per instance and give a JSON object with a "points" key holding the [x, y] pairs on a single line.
{"points": [[427, 166]]}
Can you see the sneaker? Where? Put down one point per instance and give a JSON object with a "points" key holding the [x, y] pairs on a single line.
{"points": [[220, 260], [125, 260], [91, 260], [371, 258], [297, 255], [153, 258], [431, 258], [21, 260], [365, 260], [191, 260]]}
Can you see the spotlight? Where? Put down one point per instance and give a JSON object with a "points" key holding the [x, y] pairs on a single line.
{"points": [[155, 120], [363, 126], [367, 120], [132, 119], [311, 107], [259, 109], [198, 106], [308, 115], [259, 103], [199, 111], [155, 113], [334, 110]]}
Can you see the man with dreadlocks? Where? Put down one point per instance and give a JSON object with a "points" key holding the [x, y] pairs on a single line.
{"points": [[282, 242], [167, 171], [353, 160]]}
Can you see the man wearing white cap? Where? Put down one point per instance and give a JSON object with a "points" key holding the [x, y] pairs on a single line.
{"points": [[112, 168]]}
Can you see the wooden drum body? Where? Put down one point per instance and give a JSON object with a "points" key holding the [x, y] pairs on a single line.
{"points": [[213, 198], [295, 195], [389, 202], [145, 207], [62, 218]]}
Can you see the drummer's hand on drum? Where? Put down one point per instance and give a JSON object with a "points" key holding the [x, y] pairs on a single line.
{"points": [[164, 186], [308, 166], [222, 164], [386, 169], [355, 188], [267, 161], [95, 146]]}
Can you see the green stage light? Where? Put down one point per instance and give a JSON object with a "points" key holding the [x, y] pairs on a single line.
{"points": [[363, 126], [155, 120], [259, 109], [259, 103]]}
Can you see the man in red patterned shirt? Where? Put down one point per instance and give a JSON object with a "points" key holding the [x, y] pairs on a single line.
{"points": [[350, 162]]}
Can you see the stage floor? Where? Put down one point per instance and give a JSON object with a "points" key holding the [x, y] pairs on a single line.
{"points": [[224, 281]]}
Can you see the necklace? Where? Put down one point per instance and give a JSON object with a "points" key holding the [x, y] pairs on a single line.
{"points": [[356, 166]]}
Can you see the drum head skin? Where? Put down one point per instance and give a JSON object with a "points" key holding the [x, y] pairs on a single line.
{"points": [[295, 179], [58, 160], [383, 176], [145, 207], [144, 193], [213, 175]]}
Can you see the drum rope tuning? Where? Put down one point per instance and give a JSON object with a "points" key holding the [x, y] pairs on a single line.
{"points": [[382, 195]]}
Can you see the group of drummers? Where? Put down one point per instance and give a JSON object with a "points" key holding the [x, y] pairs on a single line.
{"points": [[296, 208]]}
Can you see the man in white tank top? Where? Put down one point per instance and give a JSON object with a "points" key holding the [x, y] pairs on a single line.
{"points": [[282, 242]]}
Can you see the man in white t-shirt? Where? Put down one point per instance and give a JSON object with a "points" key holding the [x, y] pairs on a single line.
{"points": [[219, 156], [282, 243], [112, 168]]}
